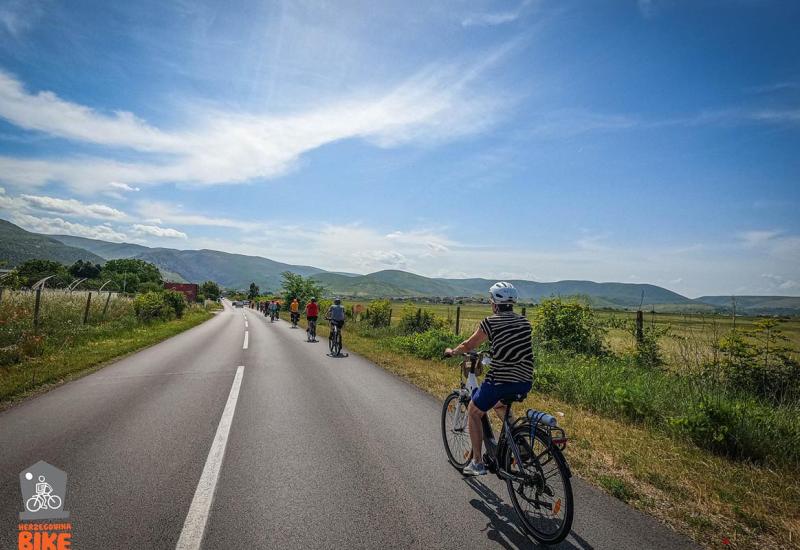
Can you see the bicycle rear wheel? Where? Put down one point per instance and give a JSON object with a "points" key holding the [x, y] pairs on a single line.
{"points": [[337, 342], [455, 431], [544, 502]]}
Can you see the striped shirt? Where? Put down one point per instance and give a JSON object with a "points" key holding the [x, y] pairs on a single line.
{"points": [[512, 348]]}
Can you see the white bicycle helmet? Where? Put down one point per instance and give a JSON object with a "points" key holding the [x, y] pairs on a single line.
{"points": [[503, 293]]}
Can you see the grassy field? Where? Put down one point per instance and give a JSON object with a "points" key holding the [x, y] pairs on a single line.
{"points": [[623, 442], [63, 347], [688, 333]]}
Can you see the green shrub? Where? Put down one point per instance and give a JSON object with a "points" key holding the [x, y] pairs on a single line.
{"points": [[151, 306], [418, 320], [426, 345], [759, 362], [648, 352], [176, 300], [567, 325], [378, 313]]}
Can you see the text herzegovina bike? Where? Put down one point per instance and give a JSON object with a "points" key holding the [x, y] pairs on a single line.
{"points": [[528, 456]]}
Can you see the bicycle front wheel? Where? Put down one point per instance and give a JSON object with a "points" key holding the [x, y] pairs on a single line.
{"points": [[337, 343], [543, 502], [455, 431]]}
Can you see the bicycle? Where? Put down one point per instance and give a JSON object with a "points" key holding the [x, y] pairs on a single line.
{"points": [[43, 502], [528, 456], [272, 315], [295, 318], [335, 339], [311, 331]]}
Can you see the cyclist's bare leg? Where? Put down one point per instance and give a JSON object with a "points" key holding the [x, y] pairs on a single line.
{"points": [[475, 431]]}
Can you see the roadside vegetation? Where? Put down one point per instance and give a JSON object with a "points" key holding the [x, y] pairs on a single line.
{"points": [[78, 330], [698, 424]]}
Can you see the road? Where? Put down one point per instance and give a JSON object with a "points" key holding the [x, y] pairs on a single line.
{"points": [[170, 446]]}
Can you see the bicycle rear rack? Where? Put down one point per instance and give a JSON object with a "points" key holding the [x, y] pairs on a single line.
{"points": [[555, 436]]}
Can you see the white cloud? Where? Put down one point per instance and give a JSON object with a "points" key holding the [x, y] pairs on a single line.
{"points": [[58, 226], [17, 16], [122, 186], [155, 231], [73, 207], [438, 103], [495, 18]]}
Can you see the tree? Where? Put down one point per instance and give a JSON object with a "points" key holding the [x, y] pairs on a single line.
{"points": [[129, 273], [210, 290], [32, 271], [302, 288], [87, 270], [253, 292]]}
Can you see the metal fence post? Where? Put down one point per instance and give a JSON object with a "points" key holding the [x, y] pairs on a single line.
{"points": [[105, 307], [639, 327], [36, 310], [86, 311], [458, 319]]}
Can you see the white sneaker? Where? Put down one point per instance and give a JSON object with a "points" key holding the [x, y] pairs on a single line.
{"points": [[474, 469]]}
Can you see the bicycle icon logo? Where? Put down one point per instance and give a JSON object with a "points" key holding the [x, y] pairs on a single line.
{"points": [[44, 499], [43, 489]]}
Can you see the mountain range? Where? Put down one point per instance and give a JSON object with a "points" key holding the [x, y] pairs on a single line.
{"points": [[239, 270]]}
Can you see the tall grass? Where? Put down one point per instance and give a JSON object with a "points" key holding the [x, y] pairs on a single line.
{"points": [[712, 416], [62, 344]]}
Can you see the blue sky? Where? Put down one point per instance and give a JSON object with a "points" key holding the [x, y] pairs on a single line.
{"points": [[651, 141]]}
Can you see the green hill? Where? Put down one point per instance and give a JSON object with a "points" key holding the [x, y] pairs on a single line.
{"points": [[229, 270], [238, 270], [104, 249], [755, 305], [18, 245]]}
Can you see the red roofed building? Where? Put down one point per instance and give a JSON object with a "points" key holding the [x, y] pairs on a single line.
{"points": [[189, 290]]}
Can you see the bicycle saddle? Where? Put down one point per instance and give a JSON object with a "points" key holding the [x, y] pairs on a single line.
{"points": [[517, 398]]}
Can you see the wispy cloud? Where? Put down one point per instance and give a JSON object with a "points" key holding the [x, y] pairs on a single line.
{"points": [[495, 18], [156, 231], [17, 16], [58, 226], [73, 207], [439, 103]]}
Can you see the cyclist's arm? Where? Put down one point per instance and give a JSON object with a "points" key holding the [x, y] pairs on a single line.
{"points": [[478, 337]]}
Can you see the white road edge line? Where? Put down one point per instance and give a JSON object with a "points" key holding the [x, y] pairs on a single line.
{"points": [[195, 525], [246, 337]]}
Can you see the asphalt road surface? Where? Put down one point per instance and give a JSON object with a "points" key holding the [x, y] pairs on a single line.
{"points": [[239, 434]]}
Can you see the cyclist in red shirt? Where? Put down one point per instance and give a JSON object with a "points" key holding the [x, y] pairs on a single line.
{"points": [[312, 312]]}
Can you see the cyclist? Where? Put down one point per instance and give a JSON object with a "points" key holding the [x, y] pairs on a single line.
{"points": [[273, 310], [312, 313], [511, 371], [336, 313], [294, 307]]}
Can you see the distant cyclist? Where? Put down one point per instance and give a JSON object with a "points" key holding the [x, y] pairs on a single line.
{"points": [[273, 310], [336, 313], [511, 370], [312, 314], [294, 307]]}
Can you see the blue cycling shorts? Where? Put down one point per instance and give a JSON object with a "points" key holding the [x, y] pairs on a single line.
{"points": [[488, 394]]}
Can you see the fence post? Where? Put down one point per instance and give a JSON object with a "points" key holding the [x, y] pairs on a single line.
{"points": [[86, 311], [1, 293], [524, 312], [390, 316], [639, 326], [105, 307], [458, 319], [36, 310]]}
